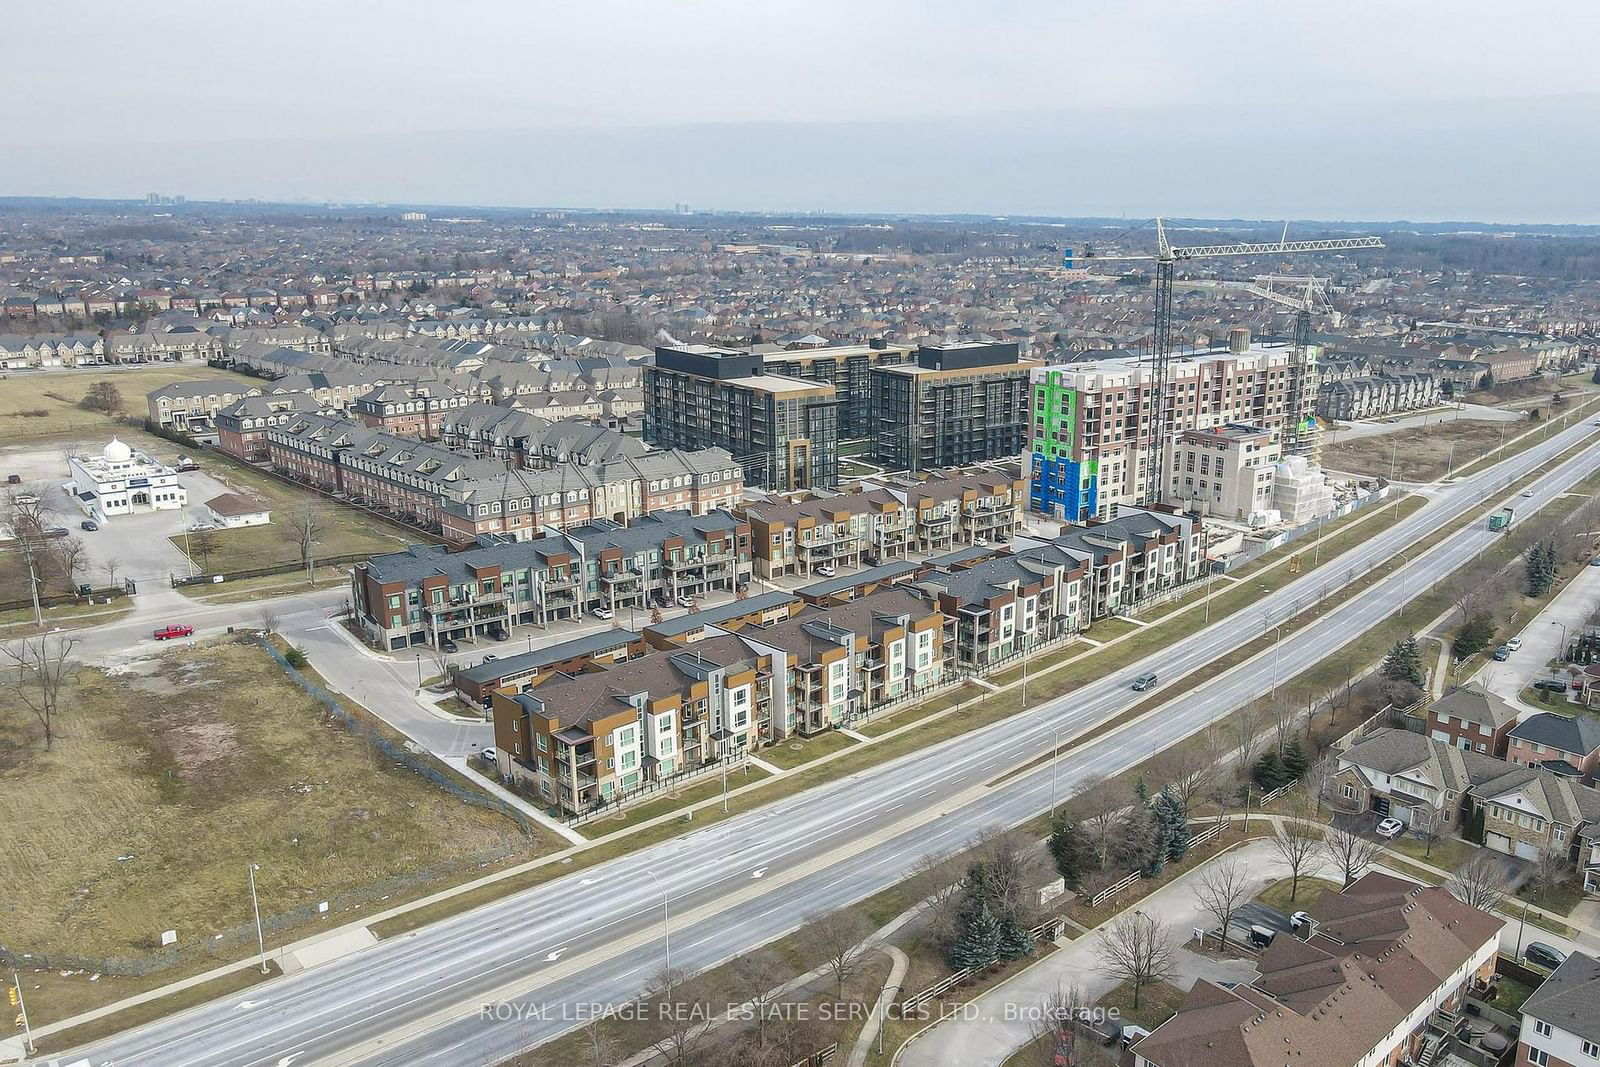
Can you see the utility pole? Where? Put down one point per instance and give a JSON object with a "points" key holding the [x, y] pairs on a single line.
{"points": [[666, 930], [261, 941], [22, 1008]]}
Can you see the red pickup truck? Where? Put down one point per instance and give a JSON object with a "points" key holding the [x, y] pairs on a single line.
{"points": [[174, 631]]}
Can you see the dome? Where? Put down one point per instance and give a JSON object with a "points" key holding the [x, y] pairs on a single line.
{"points": [[117, 452]]}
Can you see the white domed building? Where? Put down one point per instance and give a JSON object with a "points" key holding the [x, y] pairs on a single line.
{"points": [[123, 481]]}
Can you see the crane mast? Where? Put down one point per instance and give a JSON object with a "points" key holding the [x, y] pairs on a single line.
{"points": [[1166, 260]]}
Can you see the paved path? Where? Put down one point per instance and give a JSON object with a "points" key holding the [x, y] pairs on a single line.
{"points": [[891, 989], [1372, 427]]}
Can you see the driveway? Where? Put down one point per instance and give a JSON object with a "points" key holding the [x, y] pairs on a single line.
{"points": [[1541, 641]]}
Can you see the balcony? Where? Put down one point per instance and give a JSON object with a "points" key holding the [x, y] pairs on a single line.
{"points": [[622, 577], [566, 581], [471, 601]]}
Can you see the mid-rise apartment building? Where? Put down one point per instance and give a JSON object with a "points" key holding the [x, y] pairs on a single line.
{"points": [[1561, 1020], [427, 594], [1092, 421], [1363, 988], [956, 405], [1226, 471], [848, 368], [783, 431]]}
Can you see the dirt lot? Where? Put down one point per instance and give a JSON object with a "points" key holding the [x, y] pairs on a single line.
{"points": [[169, 782], [40, 403], [1419, 455]]}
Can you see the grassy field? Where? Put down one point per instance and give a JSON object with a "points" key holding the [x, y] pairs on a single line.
{"points": [[167, 783], [1419, 455], [342, 530], [1157, 1003], [798, 750], [46, 404]]}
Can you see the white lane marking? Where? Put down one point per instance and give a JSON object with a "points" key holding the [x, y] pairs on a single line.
{"points": [[555, 955], [758, 872]]}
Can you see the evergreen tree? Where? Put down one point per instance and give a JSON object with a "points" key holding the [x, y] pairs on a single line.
{"points": [[1294, 759], [1474, 636], [1537, 571], [1173, 814], [1269, 772], [978, 944], [1016, 941], [1404, 662], [1070, 849], [1142, 790], [1138, 839]]}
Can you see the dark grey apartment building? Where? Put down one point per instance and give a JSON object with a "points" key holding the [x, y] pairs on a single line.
{"points": [[783, 431], [848, 368], [955, 404]]}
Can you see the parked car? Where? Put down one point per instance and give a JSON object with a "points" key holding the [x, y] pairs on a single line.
{"points": [[686, 602], [1595, 562], [499, 633], [1514, 644], [490, 754], [13, 479], [1299, 919], [825, 572], [489, 656], [1502, 653], [603, 613], [447, 645], [1553, 685], [89, 524], [1145, 681], [1391, 827], [166, 633], [1543, 955]]}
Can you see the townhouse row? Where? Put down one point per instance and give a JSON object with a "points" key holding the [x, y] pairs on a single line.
{"points": [[465, 497]]}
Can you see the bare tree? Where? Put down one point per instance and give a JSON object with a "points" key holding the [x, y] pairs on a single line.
{"points": [[1099, 811], [685, 1013], [1059, 1014], [1481, 882], [1222, 889], [1011, 870], [840, 938], [1195, 762], [44, 667], [1247, 730], [1138, 950], [600, 1047], [1551, 871], [203, 541], [935, 883], [1298, 843], [269, 618], [304, 528], [71, 557], [111, 567], [761, 975], [1349, 853], [1319, 777]]}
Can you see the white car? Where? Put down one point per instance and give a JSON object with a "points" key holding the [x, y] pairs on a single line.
{"points": [[686, 602], [1390, 828], [490, 754], [602, 613], [826, 572], [1527, 492], [1514, 644]]}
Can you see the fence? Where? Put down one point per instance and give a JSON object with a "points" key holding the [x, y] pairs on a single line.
{"points": [[819, 1057], [56, 600], [1198, 839], [1048, 930], [262, 572], [650, 789], [1113, 889]]}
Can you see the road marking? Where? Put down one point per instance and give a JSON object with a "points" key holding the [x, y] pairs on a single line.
{"points": [[758, 872], [246, 1005], [555, 955], [286, 1061], [589, 881], [891, 807]]}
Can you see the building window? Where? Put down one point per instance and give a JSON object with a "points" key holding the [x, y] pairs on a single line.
{"points": [[1541, 1028], [1591, 1050], [1538, 1057]]}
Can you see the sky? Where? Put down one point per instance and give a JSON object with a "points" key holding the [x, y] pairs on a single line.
{"points": [[1420, 109]]}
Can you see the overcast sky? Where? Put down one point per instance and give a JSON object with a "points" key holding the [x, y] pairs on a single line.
{"points": [[1187, 108]]}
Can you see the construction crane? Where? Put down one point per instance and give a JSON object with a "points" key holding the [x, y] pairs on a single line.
{"points": [[1304, 295], [1166, 260]]}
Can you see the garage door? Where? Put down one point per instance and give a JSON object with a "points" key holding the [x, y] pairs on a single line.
{"points": [[1498, 842], [1527, 851]]}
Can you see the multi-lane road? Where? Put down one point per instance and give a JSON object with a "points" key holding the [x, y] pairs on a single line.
{"points": [[595, 936]]}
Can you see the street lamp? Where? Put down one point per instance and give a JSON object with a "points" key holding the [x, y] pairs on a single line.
{"points": [[1563, 653], [1277, 643], [1400, 604], [666, 930], [1055, 759], [261, 941]]}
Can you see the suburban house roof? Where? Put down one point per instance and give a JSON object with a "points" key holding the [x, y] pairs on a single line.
{"points": [[1570, 998], [1579, 734], [232, 504], [1382, 947], [1472, 703]]}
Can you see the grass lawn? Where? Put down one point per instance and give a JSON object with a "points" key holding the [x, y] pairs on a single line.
{"points": [[1276, 895], [169, 781], [244, 590], [1555, 702], [1110, 629], [19, 623], [35, 404], [1157, 1003], [1510, 994], [797, 750], [1560, 899], [1447, 852], [342, 530], [1423, 454]]}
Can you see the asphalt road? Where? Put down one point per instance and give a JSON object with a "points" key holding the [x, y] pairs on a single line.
{"points": [[595, 936]]}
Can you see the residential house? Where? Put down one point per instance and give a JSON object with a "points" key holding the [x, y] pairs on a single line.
{"points": [[1565, 745], [191, 407], [1471, 718], [1561, 1019]]}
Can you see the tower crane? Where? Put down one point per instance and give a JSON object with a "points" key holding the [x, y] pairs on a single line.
{"points": [[1167, 257], [1302, 295]]}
